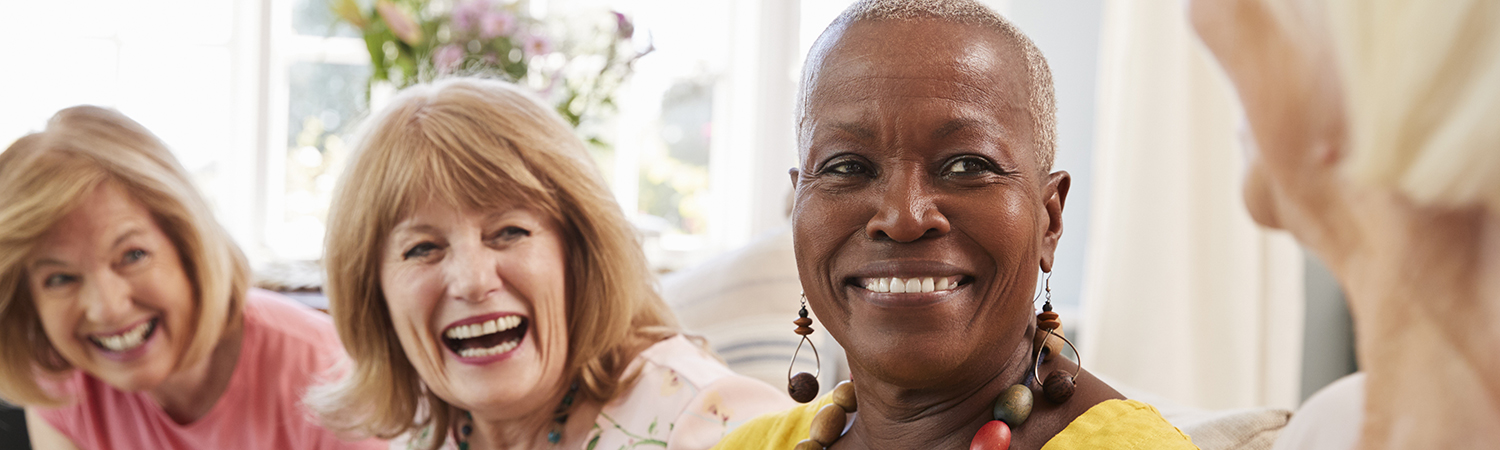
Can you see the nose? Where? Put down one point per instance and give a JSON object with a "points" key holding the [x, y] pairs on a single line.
{"points": [[471, 274], [105, 297], [907, 210]]}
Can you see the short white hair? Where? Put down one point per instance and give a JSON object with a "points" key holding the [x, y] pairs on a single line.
{"points": [[1422, 96], [1041, 103]]}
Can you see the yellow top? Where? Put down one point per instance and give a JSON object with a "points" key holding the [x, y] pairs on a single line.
{"points": [[1113, 424]]}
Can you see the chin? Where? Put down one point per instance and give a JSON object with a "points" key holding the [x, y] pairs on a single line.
{"points": [[908, 361], [1260, 200]]}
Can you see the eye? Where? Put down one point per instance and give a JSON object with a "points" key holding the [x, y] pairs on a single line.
{"points": [[510, 233], [58, 279], [966, 166], [847, 167], [421, 250], [132, 256]]}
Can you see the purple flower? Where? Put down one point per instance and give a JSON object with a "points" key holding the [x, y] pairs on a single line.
{"points": [[623, 25], [466, 15], [536, 44], [495, 24], [448, 57], [401, 24]]}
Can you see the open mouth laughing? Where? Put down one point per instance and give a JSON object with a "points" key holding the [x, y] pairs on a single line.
{"points": [[126, 340], [488, 338]]}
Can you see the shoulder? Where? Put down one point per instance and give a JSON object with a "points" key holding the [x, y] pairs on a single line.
{"points": [[1120, 424], [782, 429], [685, 398], [1330, 419], [286, 323], [288, 337]]}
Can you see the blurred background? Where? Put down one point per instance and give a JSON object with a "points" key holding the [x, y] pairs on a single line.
{"points": [[1161, 278]]}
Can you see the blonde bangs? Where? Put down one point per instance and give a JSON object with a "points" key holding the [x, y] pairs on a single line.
{"points": [[43, 176], [479, 145]]}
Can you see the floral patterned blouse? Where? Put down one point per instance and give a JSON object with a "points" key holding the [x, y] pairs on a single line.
{"points": [[684, 399]]}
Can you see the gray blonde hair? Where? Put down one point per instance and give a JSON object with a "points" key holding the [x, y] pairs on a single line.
{"points": [[475, 143], [43, 176]]}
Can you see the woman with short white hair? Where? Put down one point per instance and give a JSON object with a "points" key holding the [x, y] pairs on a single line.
{"points": [[1375, 130]]}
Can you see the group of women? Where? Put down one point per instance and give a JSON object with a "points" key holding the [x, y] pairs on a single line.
{"points": [[486, 291]]}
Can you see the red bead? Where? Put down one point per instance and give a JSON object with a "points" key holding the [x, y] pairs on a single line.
{"points": [[994, 435]]}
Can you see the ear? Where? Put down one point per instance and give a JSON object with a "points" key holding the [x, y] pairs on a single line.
{"points": [[1055, 195]]}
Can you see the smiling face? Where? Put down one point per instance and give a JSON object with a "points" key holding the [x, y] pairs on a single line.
{"points": [[111, 291], [478, 303], [921, 215]]}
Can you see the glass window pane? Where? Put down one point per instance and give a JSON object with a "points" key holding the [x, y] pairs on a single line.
{"points": [[316, 18], [323, 104]]}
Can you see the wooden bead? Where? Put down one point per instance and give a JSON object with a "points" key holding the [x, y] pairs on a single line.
{"points": [[828, 425], [804, 331], [802, 322], [843, 395], [803, 387], [1014, 405], [1049, 325], [1058, 387], [994, 435], [1046, 315], [808, 444]]}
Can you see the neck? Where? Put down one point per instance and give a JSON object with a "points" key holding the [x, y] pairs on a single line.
{"points": [[1425, 300], [897, 417], [191, 392], [530, 431]]}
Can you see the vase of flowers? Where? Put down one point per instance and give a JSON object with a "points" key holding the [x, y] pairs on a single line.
{"points": [[576, 64]]}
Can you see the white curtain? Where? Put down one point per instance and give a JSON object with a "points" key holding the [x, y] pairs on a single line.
{"points": [[1185, 296]]}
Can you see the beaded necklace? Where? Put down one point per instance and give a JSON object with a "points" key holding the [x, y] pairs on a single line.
{"points": [[1011, 409], [465, 427]]}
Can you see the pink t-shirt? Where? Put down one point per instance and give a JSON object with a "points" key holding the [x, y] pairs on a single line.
{"points": [[287, 347]]}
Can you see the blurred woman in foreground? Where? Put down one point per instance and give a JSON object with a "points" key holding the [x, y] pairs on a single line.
{"points": [[1375, 131]]}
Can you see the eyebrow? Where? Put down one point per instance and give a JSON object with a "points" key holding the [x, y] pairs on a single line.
{"points": [[413, 228], [858, 130], [47, 262], [128, 234], [955, 125]]}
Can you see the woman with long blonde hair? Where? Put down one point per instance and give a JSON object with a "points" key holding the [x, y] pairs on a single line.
{"points": [[492, 294], [126, 314]]}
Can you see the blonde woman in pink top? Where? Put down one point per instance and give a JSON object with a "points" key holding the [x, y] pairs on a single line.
{"points": [[126, 317]]}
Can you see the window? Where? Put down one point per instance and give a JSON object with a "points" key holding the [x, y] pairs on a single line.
{"points": [[178, 67]]}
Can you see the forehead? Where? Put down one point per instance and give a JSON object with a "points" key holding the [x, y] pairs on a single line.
{"points": [[928, 68], [100, 217]]}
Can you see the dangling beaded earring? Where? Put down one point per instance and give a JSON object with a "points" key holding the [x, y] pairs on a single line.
{"points": [[803, 387], [1058, 387]]}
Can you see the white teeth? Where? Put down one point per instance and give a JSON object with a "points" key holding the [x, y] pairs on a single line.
{"points": [[127, 340], [482, 352], [910, 285], [481, 329]]}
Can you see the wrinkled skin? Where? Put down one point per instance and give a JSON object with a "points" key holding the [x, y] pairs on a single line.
{"points": [[918, 160]]}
